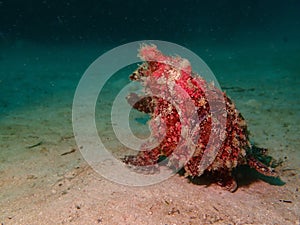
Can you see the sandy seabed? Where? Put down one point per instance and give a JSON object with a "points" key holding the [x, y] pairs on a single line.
{"points": [[45, 180]]}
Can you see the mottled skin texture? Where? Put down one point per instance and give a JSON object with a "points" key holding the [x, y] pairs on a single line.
{"points": [[234, 150]]}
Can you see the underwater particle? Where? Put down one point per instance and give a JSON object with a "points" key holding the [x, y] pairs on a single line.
{"points": [[172, 76], [34, 145], [68, 152]]}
